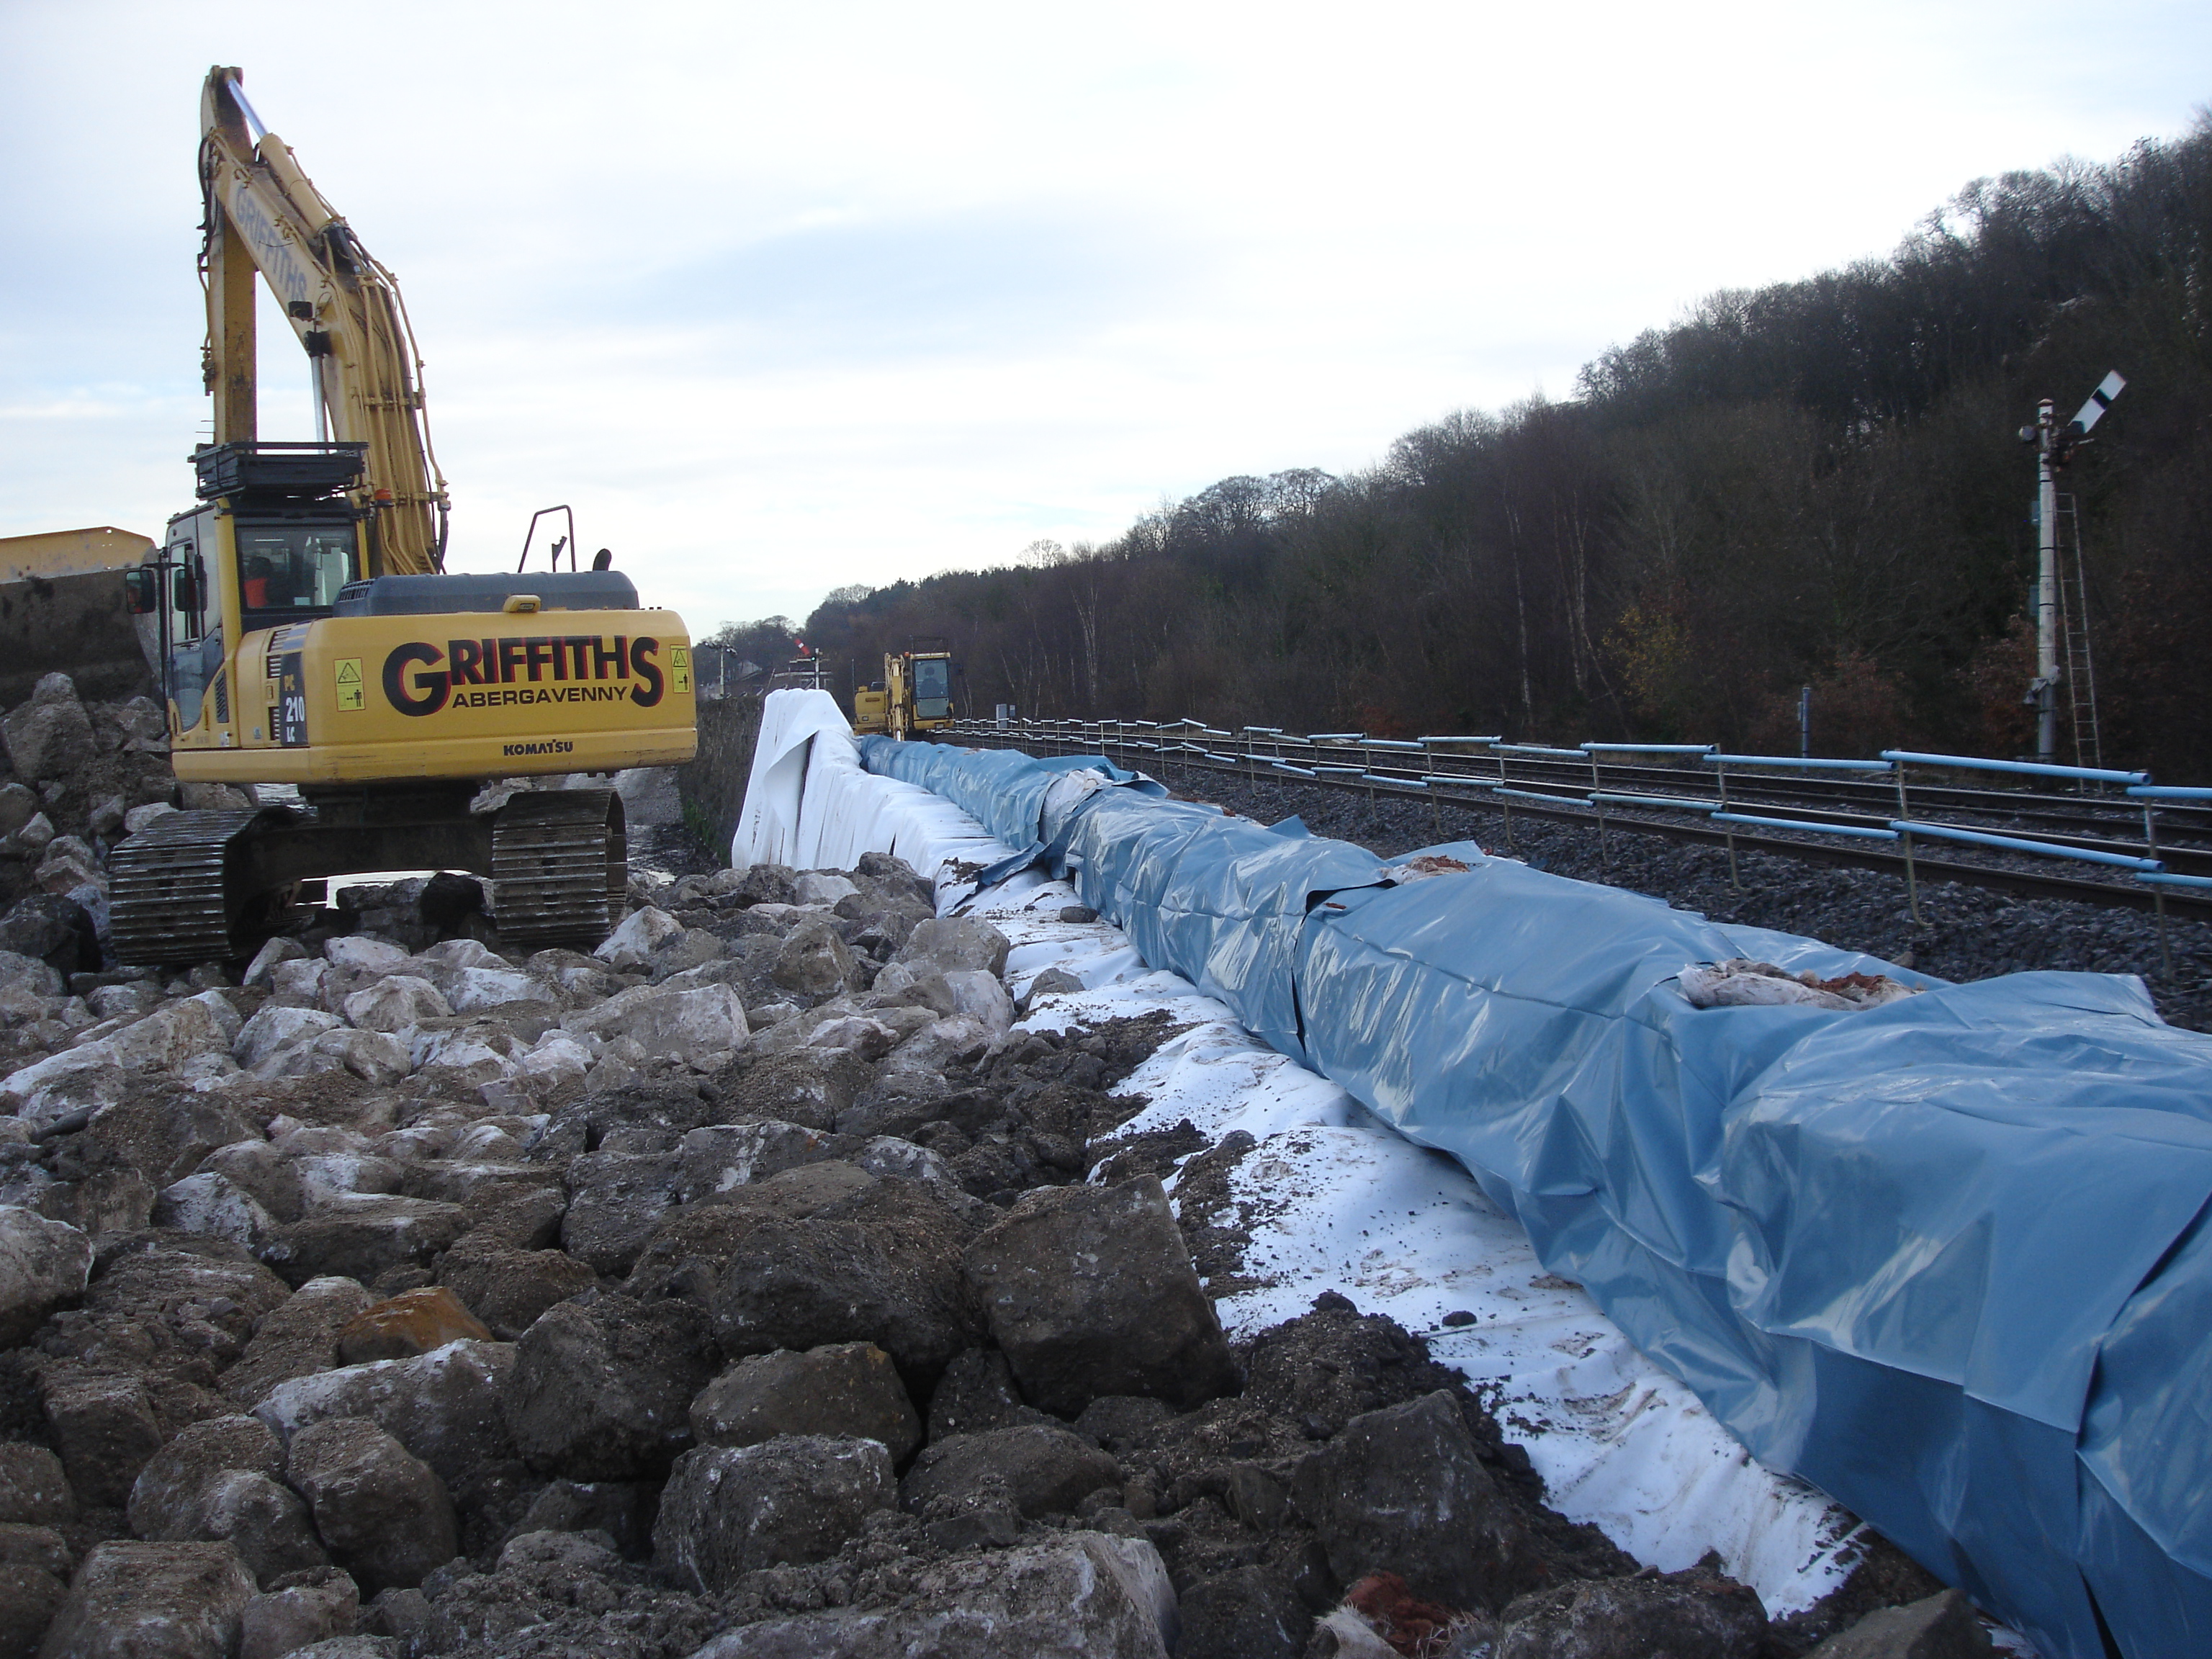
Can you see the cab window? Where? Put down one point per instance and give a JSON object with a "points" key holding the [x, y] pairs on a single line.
{"points": [[933, 689], [292, 571]]}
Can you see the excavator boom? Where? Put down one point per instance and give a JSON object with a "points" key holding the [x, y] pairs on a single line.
{"points": [[263, 216]]}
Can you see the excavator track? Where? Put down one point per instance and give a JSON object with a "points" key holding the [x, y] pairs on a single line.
{"points": [[559, 867], [171, 888]]}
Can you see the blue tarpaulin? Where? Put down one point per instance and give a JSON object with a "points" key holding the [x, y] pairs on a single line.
{"points": [[1946, 1258]]}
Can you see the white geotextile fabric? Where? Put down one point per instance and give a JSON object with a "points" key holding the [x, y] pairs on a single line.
{"points": [[1337, 1199], [810, 805]]}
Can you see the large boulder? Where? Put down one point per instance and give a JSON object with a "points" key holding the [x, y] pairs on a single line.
{"points": [[410, 1323], [263, 1520], [480, 987], [211, 1203], [881, 1266], [1695, 1612], [508, 1287], [1090, 1290], [952, 944], [59, 931], [822, 887], [171, 1491], [29, 1597], [977, 1393], [467, 1055], [33, 1491], [846, 1389], [395, 1002], [166, 1135], [313, 1608], [298, 1339], [176, 1033], [615, 1201], [362, 1235], [274, 1027], [1404, 1489], [179, 1600], [702, 1025], [807, 1086], [373, 1056], [18, 806], [83, 1078], [728, 1510], [1941, 1627], [274, 952], [1035, 1468], [1086, 1595], [50, 737], [815, 963], [602, 1392], [981, 996], [359, 954], [104, 1426], [1247, 1613], [383, 1512], [634, 939], [43, 1265], [694, 947], [721, 1156], [694, 1245], [443, 1407], [636, 1117]]}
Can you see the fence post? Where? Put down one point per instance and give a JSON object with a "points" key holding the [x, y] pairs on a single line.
{"points": [[1911, 881]]}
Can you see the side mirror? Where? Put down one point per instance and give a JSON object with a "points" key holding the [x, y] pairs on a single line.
{"points": [[141, 592]]}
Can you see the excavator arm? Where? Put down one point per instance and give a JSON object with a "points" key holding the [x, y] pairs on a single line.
{"points": [[263, 215]]}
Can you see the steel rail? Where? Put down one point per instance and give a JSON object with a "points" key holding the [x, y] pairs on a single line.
{"points": [[2180, 899], [2115, 826]]}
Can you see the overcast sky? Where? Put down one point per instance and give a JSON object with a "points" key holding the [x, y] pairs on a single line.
{"points": [[783, 298]]}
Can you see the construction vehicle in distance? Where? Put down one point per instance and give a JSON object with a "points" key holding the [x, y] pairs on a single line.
{"points": [[307, 632], [914, 695]]}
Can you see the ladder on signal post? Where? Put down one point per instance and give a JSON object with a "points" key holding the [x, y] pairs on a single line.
{"points": [[2074, 630]]}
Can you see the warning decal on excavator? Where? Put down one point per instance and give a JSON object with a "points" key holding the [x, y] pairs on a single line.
{"points": [[349, 691], [679, 668]]}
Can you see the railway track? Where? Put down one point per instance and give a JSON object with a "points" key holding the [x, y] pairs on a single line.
{"points": [[2143, 851]]}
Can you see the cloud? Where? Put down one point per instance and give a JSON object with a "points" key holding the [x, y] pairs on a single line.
{"points": [[786, 298]]}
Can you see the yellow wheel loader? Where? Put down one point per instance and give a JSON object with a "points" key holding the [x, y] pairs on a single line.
{"points": [[307, 632]]}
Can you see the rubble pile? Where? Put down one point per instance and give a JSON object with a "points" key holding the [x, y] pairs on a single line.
{"points": [[74, 777], [755, 1285]]}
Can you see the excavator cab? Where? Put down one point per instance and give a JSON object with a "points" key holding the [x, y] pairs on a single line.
{"points": [[917, 689], [932, 690], [272, 553]]}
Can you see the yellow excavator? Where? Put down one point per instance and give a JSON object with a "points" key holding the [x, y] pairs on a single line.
{"points": [[306, 632], [915, 695]]}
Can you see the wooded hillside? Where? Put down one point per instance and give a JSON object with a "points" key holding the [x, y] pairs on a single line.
{"points": [[1816, 482]]}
